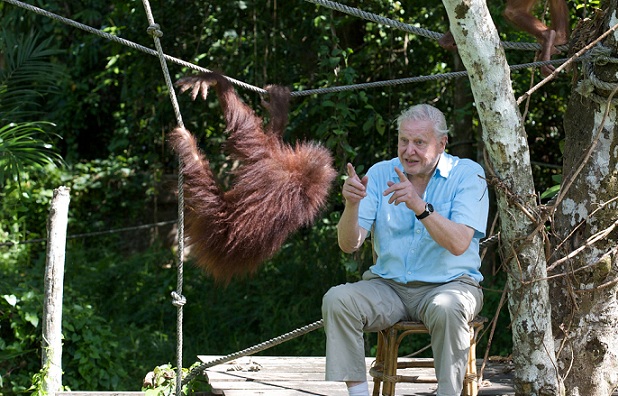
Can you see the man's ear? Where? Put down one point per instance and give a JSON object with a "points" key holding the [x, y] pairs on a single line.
{"points": [[444, 142]]}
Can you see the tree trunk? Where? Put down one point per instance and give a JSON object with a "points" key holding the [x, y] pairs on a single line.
{"points": [[510, 172], [585, 308]]}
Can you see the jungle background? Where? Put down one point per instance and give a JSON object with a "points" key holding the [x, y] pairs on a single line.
{"points": [[92, 115]]}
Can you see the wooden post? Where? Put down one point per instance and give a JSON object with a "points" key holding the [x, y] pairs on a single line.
{"points": [[54, 282]]}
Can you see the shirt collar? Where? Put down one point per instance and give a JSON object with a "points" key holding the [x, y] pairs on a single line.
{"points": [[445, 165]]}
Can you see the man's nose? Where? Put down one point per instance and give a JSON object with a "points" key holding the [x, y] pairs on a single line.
{"points": [[411, 149]]}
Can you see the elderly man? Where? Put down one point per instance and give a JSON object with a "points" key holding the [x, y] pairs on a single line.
{"points": [[428, 211]]}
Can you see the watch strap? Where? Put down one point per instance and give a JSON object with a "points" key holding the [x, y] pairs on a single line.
{"points": [[427, 212]]}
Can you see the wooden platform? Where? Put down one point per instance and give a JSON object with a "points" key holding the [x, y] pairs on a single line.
{"points": [[302, 376]]}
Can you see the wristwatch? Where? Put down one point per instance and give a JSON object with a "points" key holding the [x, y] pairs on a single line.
{"points": [[427, 212]]}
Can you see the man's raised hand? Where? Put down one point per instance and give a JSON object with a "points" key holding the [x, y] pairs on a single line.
{"points": [[354, 188], [403, 191]]}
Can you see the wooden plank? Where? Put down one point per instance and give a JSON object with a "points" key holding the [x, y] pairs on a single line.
{"points": [[280, 393], [84, 393], [292, 387], [219, 376], [275, 363]]}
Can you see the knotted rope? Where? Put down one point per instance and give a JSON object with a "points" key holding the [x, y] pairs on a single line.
{"points": [[599, 56]]}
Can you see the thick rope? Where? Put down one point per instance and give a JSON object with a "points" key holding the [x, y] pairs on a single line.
{"points": [[599, 55], [178, 300], [252, 350], [418, 31], [408, 80]]}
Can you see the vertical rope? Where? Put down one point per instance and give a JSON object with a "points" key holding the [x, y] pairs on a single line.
{"points": [[177, 298]]}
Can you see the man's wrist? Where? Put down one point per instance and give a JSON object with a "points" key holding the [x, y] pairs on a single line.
{"points": [[426, 212]]}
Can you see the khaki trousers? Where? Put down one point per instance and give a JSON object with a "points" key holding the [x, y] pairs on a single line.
{"points": [[373, 304]]}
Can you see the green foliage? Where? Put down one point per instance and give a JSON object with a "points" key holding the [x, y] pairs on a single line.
{"points": [[21, 147], [162, 381], [111, 191], [26, 76], [91, 348], [25, 209], [93, 356], [553, 190], [37, 382], [20, 314]]}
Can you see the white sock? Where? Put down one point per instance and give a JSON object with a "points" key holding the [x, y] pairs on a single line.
{"points": [[359, 390]]}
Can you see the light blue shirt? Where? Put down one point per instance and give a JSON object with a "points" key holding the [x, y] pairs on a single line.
{"points": [[406, 252]]}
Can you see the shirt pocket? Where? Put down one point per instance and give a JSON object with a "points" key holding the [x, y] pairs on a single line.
{"points": [[444, 209]]}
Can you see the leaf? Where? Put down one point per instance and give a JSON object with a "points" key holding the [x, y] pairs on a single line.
{"points": [[28, 74], [11, 299], [22, 146], [32, 318], [550, 192]]}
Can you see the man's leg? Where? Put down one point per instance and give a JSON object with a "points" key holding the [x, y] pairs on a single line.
{"points": [[446, 311], [348, 311]]}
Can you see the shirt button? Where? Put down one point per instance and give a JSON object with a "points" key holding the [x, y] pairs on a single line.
{"points": [[418, 231], [409, 273]]}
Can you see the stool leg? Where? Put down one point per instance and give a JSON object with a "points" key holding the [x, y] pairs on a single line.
{"points": [[377, 381], [471, 378], [390, 362]]}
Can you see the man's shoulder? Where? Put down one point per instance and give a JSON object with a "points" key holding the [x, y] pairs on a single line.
{"points": [[464, 165]]}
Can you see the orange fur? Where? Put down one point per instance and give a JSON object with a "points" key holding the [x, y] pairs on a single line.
{"points": [[277, 189]]}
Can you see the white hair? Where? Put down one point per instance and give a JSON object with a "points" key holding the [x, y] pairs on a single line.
{"points": [[425, 112]]}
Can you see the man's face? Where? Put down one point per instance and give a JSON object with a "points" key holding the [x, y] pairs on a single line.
{"points": [[418, 148]]}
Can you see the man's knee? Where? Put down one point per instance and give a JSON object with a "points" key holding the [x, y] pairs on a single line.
{"points": [[444, 313], [445, 310], [336, 300]]}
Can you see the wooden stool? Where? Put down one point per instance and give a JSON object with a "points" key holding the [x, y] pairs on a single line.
{"points": [[384, 370]]}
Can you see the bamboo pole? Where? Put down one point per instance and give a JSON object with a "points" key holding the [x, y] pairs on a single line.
{"points": [[54, 282]]}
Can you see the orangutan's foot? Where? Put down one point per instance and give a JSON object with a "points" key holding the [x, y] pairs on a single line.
{"points": [[547, 50], [447, 41]]}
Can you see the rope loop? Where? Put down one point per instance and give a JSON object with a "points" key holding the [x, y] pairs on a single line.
{"points": [[590, 86], [178, 300], [600, 54], [155, 30]]}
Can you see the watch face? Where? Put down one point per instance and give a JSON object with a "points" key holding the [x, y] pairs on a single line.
{"points": [[429, 208]]}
